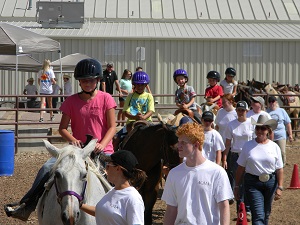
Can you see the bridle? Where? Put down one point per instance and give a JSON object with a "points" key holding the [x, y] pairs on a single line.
{"points": [[80, 197], [164, 149], [65, 193]]}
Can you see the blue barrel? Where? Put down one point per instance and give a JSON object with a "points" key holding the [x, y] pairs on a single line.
{"points": [[7, 152]]}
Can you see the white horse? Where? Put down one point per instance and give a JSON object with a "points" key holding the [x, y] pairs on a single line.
{"points": [[71, 184]]}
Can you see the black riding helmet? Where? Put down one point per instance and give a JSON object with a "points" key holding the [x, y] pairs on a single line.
{"points": [[87, 69], [231, 71], [214, 75]]}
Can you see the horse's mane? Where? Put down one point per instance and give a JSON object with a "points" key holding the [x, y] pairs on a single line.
{"points": [[68, 152]]}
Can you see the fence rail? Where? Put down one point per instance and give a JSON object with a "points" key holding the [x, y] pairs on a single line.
{"points": [[17, 107]]}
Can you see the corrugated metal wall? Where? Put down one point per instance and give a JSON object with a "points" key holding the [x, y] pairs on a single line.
{"points": [[262, 60]]}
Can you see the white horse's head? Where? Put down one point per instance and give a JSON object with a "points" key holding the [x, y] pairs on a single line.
{"points": [[70, 174]]}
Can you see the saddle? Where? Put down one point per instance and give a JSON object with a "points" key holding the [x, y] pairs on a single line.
{"points": [[187, 112], [132, 128]]}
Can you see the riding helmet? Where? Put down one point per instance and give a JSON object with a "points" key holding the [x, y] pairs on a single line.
{"points": [[87, 69], [230, 71], [214, 75], [180, 72], [140, 77]]}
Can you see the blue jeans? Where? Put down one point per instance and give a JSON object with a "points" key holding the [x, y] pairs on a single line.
{"points": [[261, 195], [31, 198], [232, 168]]}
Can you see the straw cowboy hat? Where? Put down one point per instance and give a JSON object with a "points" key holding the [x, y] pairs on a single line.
{"points": [[264, 121], [66, 76]]}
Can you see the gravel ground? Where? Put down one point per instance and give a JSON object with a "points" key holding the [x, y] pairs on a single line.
{"points": [[285, 211]]}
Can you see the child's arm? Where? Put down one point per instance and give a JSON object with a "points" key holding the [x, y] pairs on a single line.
{"points": [[186, 106], [218, 157], [63, 131], [111, 124], [234, 90]]}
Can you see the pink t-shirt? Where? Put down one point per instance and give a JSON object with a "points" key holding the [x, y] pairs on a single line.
{"points": [[89, 117]]}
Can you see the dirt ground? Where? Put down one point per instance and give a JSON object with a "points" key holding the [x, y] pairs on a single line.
{"points": [[284, 212]]}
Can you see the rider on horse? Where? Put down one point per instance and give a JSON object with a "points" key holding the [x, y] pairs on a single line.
{"points": [[214, 92], [185, 95], [139, 106], [83, 110]]}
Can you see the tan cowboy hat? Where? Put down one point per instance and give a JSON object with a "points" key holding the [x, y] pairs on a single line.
{"points": [[30, 79], [66, 76], [264, 121]]}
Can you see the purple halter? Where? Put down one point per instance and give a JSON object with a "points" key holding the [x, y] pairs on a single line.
{"points": [[61, 195]]}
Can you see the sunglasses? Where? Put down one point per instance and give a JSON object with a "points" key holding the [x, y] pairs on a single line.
{"points": [[263, 128], [208, 121], [271, 101], [241, 110]]}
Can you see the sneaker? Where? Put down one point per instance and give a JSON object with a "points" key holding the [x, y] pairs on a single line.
{"points": [[249, 217], [20, 212], [52, 118], [41, 120]]}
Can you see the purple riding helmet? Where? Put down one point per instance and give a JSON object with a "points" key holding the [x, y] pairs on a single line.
{"points": [[180, 72], [140, 77]]}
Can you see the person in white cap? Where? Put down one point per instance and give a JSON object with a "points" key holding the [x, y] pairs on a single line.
{"points": [[258, 107], [30, 89], [262, 164], [238, 132]]}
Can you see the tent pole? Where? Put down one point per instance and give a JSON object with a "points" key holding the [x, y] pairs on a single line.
{"points": [[16, 81], [61, 76]]}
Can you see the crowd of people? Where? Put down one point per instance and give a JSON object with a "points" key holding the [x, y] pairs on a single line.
{"points": [[237, 155]]}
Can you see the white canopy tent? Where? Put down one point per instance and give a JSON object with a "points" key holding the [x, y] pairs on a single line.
{"points": [[68, 62], [18, 41]]}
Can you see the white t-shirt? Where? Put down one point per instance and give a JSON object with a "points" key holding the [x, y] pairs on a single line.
{"points": [[239, 133], [120, 207], [255, 116], [260, 158], [46, 81], [213, 142], [228, 87], [196, 192], [222, 119]]}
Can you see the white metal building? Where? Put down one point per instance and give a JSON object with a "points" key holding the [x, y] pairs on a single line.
{"points": [[260, 38]]}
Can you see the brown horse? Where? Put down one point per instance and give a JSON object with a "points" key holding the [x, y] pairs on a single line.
{"points": [[284, 101], [151, 145]]}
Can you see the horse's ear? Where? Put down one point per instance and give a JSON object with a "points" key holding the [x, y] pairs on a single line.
{"points": [[51, 148], [89, 148]]}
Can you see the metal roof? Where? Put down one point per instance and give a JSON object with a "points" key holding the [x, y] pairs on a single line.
{"points": [[199, 10], [160, 30]]}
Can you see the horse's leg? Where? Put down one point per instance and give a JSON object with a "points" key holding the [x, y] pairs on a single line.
{"points": [[150, 191], [296, 122]]}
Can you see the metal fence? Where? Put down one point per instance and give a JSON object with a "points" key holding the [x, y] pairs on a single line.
{"points": [[18, 104]]}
